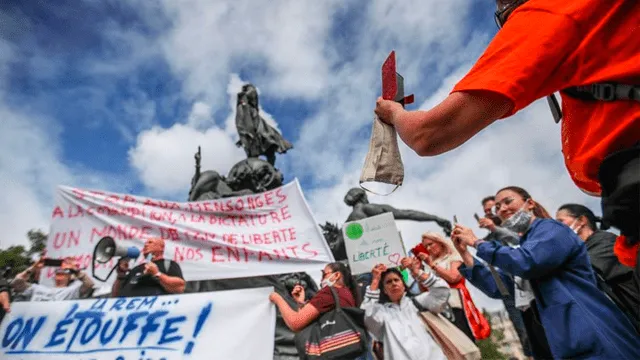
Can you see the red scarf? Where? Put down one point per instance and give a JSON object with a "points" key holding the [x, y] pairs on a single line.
{"points": [[477, 322], [627, 254]]}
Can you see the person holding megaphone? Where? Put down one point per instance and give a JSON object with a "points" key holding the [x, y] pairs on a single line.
{"points": [[157, 276]]}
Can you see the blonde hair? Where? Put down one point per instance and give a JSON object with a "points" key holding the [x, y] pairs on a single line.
{"points": [[447, 247]]}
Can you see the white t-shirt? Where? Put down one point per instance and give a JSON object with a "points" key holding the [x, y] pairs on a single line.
{"points": [[37, 292], [455, 299]]}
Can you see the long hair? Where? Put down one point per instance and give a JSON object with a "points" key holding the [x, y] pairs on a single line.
{"points": [[538, 210], [384, 298], [447, 246], [347, 279], [577, 210]]}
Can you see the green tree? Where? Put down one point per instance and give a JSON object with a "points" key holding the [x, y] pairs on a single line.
{"points": [[38, 241], [18, 257], [15, 257], [490, 347]]}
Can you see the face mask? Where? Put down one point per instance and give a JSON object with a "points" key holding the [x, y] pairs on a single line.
{"points": [[576, 229], [383, 162], [519, 222], [327, 282]]}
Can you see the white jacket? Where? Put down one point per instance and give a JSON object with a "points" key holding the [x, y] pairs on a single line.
{"points": [[399, 327]]}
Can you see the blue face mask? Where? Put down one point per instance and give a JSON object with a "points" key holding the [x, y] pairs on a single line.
{"points": [[519, 222]]}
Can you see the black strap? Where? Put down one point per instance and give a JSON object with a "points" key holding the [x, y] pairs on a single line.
{"points": [[335, 297], [605, 92], [595, 92]]}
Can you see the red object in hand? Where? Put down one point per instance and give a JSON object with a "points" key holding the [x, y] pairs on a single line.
{"points": [[419, 249], [393, 83]]}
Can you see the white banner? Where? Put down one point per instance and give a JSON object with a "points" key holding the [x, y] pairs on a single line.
{"points": [[215, 325], [262, 234], [371, 241]]}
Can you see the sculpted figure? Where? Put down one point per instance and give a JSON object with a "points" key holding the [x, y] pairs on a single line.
{"points": [[256, 136], [357, 198]]}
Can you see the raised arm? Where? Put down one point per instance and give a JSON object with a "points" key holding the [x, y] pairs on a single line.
{"points": [[448, 125], [373, 310], [404, 214], [21, 282], [480, 276], [295, 320], [436, 298], [549, 244]]}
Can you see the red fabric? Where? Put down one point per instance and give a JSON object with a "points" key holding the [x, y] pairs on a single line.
{"points": [[627, 254], [477, 322], [324, 302], [550, 45]]}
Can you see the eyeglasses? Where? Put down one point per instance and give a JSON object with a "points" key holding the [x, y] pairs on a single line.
{"points": [[499, 204], [325, 274]]}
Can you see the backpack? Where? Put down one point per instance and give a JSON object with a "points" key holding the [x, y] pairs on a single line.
{"points": [[595, 92], [337, 334]]}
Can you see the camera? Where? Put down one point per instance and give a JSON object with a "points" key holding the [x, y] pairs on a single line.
{"points": [[52, 262], [291, 282]]}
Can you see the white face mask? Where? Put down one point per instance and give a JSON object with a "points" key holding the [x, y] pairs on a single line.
{"points": [[520, 221], [327, 282], [575, 229]]}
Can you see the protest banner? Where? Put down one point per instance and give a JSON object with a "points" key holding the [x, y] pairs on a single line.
{"points": [[371, 241], [273, 232], [214, 325]]}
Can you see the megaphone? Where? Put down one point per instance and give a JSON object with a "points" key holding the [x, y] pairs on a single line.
{"points": [[106, 249]]}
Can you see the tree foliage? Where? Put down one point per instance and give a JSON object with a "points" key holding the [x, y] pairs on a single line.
{"points": [[490, 347], [18, 257]]}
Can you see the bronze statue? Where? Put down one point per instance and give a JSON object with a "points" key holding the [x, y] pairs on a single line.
{"points": [[333, 237], [357, 198], [256, 136], [249, 176]]}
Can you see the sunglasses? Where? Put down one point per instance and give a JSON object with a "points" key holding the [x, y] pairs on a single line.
{"points": [[64, 271], [504, 9]]}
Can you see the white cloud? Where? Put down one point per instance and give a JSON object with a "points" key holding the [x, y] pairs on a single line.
{"points": [[164, 157], [159, 149], [286, 37]]}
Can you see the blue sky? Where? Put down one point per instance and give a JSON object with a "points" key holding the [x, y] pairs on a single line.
{"points": [[117, 95]]}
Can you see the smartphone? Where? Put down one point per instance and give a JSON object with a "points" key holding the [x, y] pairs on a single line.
{"points": [[52, 262], [476, 217]]}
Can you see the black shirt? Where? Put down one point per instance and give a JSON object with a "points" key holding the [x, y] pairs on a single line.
{"points": [[137, 284]]}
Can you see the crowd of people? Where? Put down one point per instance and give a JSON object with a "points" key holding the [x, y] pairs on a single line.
{"points": [[569, 295], [569, 286]]}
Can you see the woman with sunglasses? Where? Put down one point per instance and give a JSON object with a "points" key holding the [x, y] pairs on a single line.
{"points": [[579, 320], [588, 51]]}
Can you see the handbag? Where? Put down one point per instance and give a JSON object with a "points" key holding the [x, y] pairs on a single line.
{"points": [[455, 344], [337, 334]]}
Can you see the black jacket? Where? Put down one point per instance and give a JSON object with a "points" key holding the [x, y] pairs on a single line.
{"points": [[615, 279]]}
